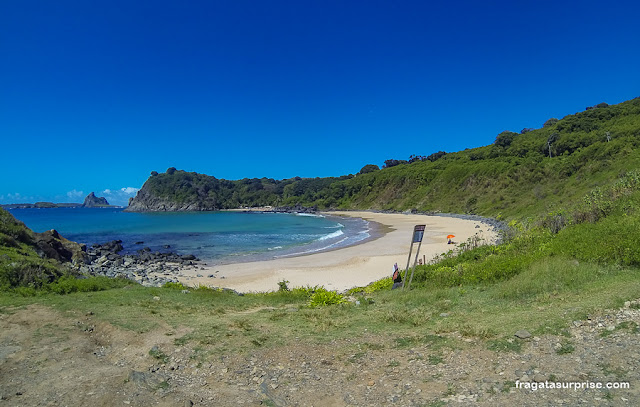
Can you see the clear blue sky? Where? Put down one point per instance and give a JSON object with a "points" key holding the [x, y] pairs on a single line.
{"points": [[95, 95]]}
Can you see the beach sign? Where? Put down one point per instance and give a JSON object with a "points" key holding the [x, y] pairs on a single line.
{"points": [[418, 234]]}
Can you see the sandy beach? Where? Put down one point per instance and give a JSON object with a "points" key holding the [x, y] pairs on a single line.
{"points": [[347, 267]]}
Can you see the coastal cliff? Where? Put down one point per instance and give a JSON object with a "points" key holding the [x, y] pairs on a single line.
{"points": [[177, 190], [146, 200]]}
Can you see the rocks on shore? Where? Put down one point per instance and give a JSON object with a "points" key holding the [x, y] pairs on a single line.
{"points": [[146, 267], [295, 209]]}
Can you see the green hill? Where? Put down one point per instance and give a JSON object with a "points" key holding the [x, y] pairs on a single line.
{"points": [[519, 175]]}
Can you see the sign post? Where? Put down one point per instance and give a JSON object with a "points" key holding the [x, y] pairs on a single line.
{"points": [[418, 234]]}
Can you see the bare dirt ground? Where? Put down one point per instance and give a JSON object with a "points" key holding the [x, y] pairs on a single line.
{"points": [[48, 358]]}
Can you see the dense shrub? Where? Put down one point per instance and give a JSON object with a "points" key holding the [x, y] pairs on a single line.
{"points": [[322, 297], [505, 139], [368, 168]]}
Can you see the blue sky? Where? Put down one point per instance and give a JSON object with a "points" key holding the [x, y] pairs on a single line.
{"points": [[96, 95]]}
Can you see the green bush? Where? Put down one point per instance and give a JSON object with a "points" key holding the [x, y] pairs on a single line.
{"points": [[175, 286], [382, 284], [322, 297]]}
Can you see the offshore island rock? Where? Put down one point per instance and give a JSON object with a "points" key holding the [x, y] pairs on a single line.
{"points": [[93, 201]]}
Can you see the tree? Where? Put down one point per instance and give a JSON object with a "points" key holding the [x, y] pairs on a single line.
{"points": [[392, 163], [171, 170], [154, 173], [552, 139], [436, 156], [550, 122], [369, 168], [505, 139], [599, 105]]}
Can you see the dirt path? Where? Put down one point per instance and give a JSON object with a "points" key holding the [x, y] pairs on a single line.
{"points": [[48, 358]]}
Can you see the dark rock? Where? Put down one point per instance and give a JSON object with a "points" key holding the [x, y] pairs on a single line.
{"points": [[139, 242], [188, 257], [92, 201], [52, 245]]}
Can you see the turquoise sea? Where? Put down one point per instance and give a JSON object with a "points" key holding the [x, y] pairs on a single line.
{"points": [[217, 237]]}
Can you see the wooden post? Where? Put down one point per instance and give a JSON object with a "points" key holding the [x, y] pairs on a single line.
{"points": [[406, 269], [413, 269], [416, 237]]}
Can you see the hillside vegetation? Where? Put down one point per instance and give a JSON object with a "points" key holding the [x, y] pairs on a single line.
{"points": [[567, 274], [519, 175]]}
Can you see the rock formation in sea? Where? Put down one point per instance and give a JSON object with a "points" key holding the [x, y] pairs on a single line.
{"points": [[93, 201]]}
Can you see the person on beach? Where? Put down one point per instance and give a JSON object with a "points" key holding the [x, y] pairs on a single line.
{"points": [[397, 277]]}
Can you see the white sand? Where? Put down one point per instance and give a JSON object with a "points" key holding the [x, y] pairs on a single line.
{"points": [[347, 267]]}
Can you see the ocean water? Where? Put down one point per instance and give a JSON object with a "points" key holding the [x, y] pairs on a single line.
{"points": [[216, 237]]}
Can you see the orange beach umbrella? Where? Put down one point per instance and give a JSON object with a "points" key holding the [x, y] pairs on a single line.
{"points": [[450, 236]]}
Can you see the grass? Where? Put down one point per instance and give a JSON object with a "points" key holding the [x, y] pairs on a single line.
{"points": [[158, 354], [505, 345], [489, 312], [565, 348]]}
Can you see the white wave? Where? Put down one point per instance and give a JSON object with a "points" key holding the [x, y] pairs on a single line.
{"points": [[339, 225], [311, 251], [313, 215], [275, 248], [332, 235]]}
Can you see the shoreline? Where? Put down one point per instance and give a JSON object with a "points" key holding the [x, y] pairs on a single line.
{"points": [[346, 267]]}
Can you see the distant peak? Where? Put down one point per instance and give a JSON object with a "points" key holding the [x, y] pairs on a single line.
{"points": [[92, 201]]}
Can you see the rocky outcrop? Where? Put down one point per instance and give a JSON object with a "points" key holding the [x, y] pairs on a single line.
{"points": [[147, 201], [146, 267], [295, 209], [93, 201], [51, 245]]}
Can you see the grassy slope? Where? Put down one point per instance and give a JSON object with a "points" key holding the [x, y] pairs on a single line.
{"points": [[514, 181], [20, 264]]}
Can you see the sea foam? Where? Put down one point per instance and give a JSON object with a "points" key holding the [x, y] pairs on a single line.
{"points": [[332, 235]]}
